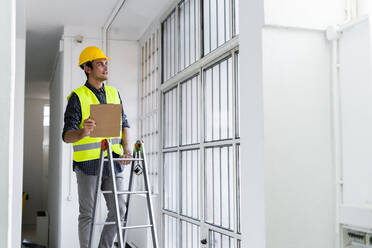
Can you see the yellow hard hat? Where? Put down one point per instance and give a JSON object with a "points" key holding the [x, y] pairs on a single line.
{"points": [[91, 53]]}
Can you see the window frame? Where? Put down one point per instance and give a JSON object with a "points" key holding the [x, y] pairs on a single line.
{"points": [[230, 48], [150, 58]]}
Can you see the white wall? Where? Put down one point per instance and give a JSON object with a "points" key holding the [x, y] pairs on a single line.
{"points": [[355, 93], [303, 13], [298, 164], [123, 74], [364, 7], [7, 77], [356, 115], [299, 174], [33, 159]]}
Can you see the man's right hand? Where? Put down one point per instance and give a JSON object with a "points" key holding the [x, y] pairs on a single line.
{"points": [[88, 126]]}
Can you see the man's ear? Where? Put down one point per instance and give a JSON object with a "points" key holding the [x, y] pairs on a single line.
{"points": [[87, 69]]}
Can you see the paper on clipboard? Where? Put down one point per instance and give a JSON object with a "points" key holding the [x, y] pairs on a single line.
{"points": [[107, 118]]}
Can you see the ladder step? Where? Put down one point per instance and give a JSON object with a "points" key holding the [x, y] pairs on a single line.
{"points": [[124, 192], [105, 223], [125, 159], [136, 227]]}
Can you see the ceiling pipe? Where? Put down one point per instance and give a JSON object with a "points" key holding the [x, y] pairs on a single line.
{"points": [[335, 32], [108, 24]]}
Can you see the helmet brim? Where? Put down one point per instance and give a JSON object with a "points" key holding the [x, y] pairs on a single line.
{"points": [[83, 62]]}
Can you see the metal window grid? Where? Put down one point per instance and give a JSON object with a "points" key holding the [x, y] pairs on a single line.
{"points": [[149, 109], [175, 104]]}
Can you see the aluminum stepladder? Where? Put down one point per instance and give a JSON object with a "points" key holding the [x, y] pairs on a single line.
{"points": [[139, 167]]}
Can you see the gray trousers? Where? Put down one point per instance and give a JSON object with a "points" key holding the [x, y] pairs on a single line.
{"points": [[86, 191]]}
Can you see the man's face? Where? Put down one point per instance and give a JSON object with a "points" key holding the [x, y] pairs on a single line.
{"points": [[99, 71]]}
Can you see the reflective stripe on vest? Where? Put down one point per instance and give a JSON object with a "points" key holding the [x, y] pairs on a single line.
{"points": [[88, 148]]}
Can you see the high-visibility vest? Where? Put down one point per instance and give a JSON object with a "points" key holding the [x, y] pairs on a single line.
{"points": [[89, 148]]}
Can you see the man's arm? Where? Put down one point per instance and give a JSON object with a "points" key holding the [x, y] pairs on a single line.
{"points": [[125, 141], [125, 144], [125, 129], [72, 136], [71, 132]]}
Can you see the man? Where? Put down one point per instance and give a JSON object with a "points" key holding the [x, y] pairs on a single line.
{"points": [[77, 128]]}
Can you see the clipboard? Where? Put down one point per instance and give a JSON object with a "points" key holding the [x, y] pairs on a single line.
{"points": [[107, 118]]}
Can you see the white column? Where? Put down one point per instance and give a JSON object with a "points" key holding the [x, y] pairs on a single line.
{"points": [[252, 140], [18, 124], [7, 79]]}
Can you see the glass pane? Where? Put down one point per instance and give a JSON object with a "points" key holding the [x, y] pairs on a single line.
{"points": [[170, 128], [236, 16], [237, 97], [218, 101], [228, 20], [46, 114], [221, 30], [189, 235], [219, 240], [190, 104], [173, 45], [238, 186], [169, 40], [181, 37], [190, 183], [188, 33], [213, 25], [217, 19], [193, 29], [219, 181], [170, 182], [195, 109], [171, 232], [165, 50], [208, 105], [148, 106], [216, 83], [207, 29], [209, 182]]}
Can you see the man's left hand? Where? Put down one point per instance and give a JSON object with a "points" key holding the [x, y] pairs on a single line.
{"points": [[125, 162]]}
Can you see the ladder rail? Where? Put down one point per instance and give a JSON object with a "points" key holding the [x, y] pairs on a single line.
{"points": [[139, 156], [130, 185], [149, 204], [117, 210], [98, 189]]}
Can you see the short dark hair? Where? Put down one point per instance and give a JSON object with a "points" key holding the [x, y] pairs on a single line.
{"points": [[89, 64]]}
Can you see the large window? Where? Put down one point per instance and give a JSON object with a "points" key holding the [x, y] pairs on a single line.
{"points": [[216, 19], [46, 115], [200, 125], [169, 46], [188, 42], [201, 175], [195, 28], [149, 109], [218, 101], [190, 109]]}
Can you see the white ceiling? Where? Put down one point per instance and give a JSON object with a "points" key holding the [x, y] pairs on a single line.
{"points": [[45, 20]]}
